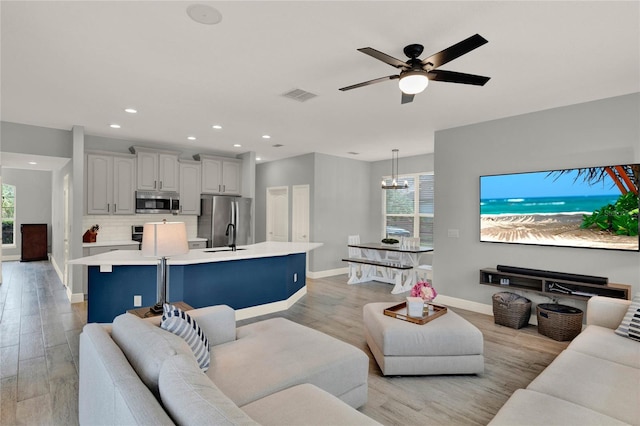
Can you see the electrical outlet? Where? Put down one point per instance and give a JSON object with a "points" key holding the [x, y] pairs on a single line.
{"points": [[137, 301], [295, 277]]}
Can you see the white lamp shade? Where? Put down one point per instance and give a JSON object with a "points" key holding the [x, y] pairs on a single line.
{"points": [[163, 239], [413, 82]]}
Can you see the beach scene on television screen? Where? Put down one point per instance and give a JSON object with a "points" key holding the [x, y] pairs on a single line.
{"points": [[590, 207]]}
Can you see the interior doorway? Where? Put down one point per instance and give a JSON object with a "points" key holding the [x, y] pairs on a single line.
{"points": [[278, 213]]}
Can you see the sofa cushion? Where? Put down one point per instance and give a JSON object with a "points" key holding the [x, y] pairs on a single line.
{"points": [[602, 342], [305, 405], [603, 386], [271, 355], [191, 398], [630, 325], [146, 347], [537, 409], [181, 324]]}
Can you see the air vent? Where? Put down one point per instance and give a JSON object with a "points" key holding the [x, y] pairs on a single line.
{"points": [[353, 153], [278, 145], [299, 95]]}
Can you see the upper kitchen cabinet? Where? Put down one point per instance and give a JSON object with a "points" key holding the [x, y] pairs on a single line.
{"points": [[189, 187], [110, 183], [220, 175], [157, 170]]}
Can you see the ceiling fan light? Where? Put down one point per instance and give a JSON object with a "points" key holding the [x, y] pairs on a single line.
{"points": [[413, 82]]}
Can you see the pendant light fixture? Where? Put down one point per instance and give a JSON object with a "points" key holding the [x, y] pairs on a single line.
{"points": [[394, 174]]}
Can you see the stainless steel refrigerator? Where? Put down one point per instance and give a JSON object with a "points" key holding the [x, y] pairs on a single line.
{"points": [[217, 212]]}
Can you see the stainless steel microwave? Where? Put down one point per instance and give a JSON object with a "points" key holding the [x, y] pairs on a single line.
{"points": [[157, 202]]}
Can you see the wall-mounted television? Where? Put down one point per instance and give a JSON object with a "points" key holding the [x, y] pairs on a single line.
{"points": [[594, 207]]}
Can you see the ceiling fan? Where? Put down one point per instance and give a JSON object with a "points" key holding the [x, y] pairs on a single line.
{"points": [[415, 73]]}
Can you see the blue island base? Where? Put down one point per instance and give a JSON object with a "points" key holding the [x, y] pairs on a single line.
{"points": [[237, 283]]}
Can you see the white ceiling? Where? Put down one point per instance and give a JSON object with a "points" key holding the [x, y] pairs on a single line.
{"points": [[83, 62]]}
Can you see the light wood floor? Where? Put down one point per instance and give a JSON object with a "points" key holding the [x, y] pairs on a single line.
{"points": [[39, 332]]}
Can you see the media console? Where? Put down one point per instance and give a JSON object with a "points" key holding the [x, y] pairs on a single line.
{"points": [[553, 284]]}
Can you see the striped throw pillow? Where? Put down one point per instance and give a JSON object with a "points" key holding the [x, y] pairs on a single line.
{"points": [[630, 325], [181, 324]]}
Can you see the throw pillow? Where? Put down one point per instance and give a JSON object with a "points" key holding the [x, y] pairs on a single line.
{"points": [[181, 324], [630, 325]]}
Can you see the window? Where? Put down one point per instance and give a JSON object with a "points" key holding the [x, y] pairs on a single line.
{"points": [[409, 212], [8, 214]]}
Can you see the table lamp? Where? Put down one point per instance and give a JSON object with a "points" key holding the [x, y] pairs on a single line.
{"points": [[161, 240]]}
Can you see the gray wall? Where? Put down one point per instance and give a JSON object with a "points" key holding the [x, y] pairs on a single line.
{"points": [[26, 139], [33, 202], [339, 201], [591, 134]]}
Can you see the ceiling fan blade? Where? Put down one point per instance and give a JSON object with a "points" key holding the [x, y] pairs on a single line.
{"points": [[455, 51], [457, 77], [406, 98], [367, 83], [384, 57]]}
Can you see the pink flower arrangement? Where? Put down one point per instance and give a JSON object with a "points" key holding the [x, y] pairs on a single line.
{"points": [[424, 290]]}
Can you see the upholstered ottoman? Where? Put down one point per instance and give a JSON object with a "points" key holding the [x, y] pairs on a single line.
{"points": [[447, 345]]}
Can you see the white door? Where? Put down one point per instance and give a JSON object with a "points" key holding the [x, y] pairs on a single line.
{"points": [[300, 213], [278, 213], [65, 201]]}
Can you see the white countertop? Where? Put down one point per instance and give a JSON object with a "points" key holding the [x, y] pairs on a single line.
{"points": [[253, 251], [126, 243], [110, 243]]}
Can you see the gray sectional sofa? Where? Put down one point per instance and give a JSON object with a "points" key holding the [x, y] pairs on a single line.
{"points": [[270, 372], [595, 381]]}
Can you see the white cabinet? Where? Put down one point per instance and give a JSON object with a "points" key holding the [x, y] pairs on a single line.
{"points": [[220, 175], [189, 187], [157, 170], [110, 184]]}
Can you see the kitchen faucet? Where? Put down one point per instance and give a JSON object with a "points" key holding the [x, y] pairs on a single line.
{"points": [[233, 236]]}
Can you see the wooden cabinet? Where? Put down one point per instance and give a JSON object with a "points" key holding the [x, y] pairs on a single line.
{"points": [[220, 175], [189, 187], [33, 242], [110, 184], [157, 170], [551, 287]]}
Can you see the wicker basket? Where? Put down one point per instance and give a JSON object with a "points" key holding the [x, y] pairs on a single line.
{"points": [[560, 322], [511, 310]]}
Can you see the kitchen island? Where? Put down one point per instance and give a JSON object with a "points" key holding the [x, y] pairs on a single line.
{"points": [[254, 280]]}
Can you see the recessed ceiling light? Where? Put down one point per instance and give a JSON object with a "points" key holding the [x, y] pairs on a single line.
{"points": [[114, 126], [33, 163], [191, 138], [237, 145], [131, 110], [204, 14], [266, 137], [217, 126], [258, 158]]}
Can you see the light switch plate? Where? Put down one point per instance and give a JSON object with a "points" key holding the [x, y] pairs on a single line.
{"points": [[137, 301], [453, 233]]}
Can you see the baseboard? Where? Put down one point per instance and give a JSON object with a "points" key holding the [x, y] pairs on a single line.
{"points": [[53, 262], [328, 273], [269, 308], [468, 305], [10, 258], [75, 297]]}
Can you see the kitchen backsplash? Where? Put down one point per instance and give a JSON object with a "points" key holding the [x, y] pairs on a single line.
{"points": [[118, 227]]}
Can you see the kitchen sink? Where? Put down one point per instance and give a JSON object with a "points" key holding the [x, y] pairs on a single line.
{"points": [[222, 249]]}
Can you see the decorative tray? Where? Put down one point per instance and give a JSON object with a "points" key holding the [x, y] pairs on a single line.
{"points": [[400, 312]]}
